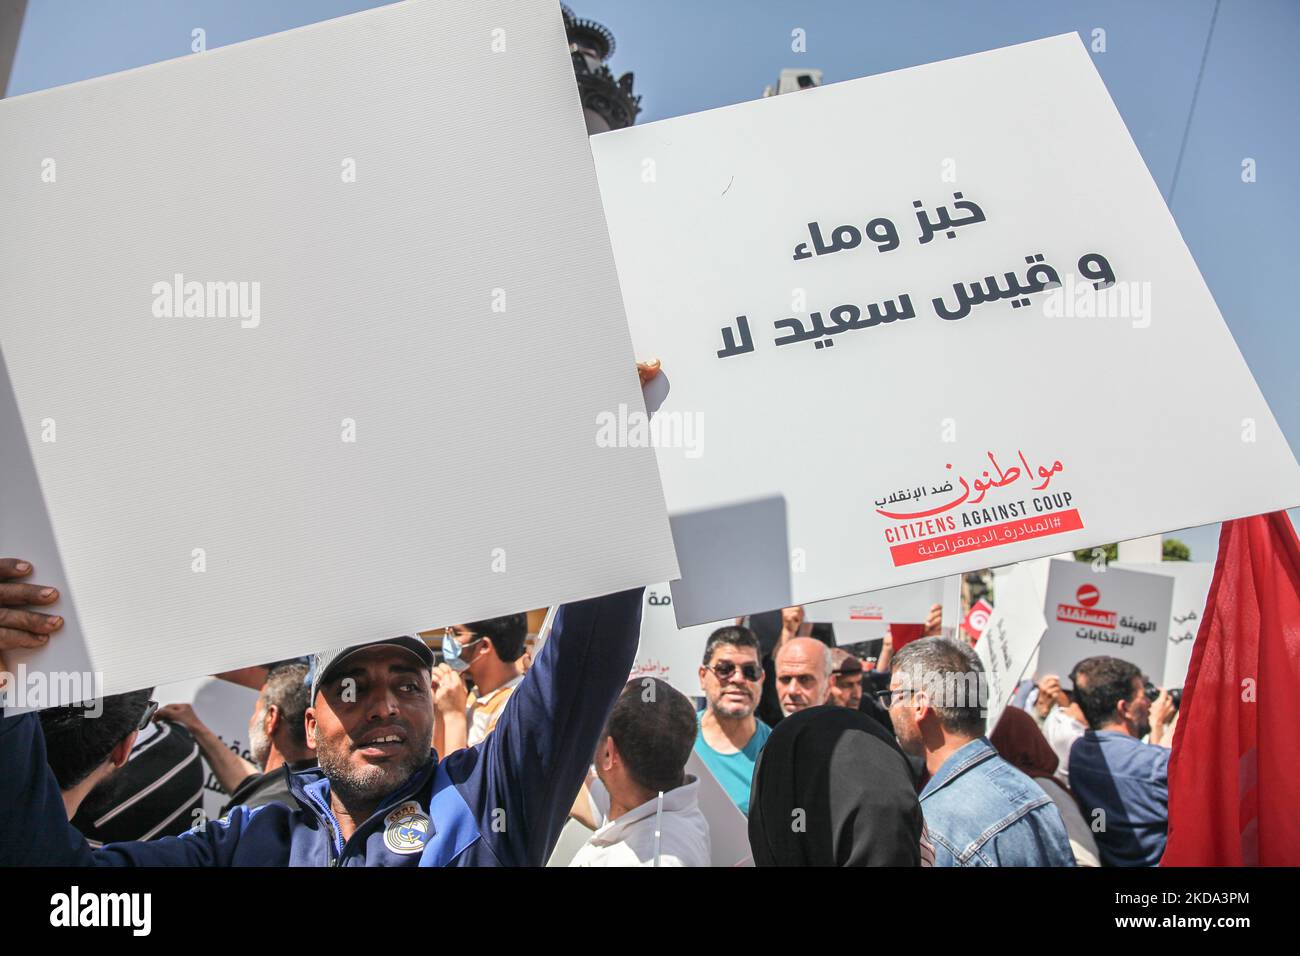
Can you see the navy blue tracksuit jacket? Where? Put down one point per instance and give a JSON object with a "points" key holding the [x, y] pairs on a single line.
{"points": [[501, 803]]}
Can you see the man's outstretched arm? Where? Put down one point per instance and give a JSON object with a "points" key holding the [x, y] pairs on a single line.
{"points": [[34, 827], [522, 779]]}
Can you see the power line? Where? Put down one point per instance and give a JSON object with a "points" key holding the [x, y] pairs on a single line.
{"points": [[1196, 92]]}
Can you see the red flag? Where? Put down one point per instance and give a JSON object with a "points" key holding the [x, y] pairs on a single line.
{"points": [[1234, 776]]}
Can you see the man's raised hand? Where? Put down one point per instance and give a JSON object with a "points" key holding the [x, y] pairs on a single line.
{"points": [[21, 627]]}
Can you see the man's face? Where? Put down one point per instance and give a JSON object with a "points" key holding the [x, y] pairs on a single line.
{"points": [[1139, 708], [902, 714], [372, 723], [801, 678], [259, 742], [846, 690], [472, 649], [734, 696]]}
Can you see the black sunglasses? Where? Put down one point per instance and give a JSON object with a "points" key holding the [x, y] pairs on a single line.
{"points": [[724, 670], [148, 714]]}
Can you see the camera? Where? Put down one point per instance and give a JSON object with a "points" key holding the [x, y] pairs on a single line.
{"points": [[1175, 695]]}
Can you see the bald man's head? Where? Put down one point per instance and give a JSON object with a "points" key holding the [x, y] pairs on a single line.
{"points": [[803, 669]]}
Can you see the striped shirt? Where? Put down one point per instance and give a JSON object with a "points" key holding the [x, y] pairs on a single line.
{"points": [[154, 794], [484, 712]]}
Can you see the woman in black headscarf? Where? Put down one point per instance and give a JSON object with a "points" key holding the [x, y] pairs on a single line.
{"points": [[832, 788]]}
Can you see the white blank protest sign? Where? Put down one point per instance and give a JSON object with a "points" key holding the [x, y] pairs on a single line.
{"points": [[967, 435], [728, 827], [395, 428], [1009, 641], [573, 837], [866, 617], [908, 603]]}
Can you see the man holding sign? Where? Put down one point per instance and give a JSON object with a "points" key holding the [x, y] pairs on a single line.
{"points": [[380, 797]]}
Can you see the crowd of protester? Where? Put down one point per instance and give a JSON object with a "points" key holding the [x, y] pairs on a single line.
{"points": [[469, 751], [834, 759]]}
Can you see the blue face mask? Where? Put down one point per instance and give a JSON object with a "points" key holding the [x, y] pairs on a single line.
{"points": [[451, 651]]}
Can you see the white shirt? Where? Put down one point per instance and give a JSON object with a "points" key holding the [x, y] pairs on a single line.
{"points": [[630, 840], [1061, 731]]}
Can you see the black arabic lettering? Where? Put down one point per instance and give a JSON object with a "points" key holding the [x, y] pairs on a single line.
{"points": [[729, 342], [1094, 265]]}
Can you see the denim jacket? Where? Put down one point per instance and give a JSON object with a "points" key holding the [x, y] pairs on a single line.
{"points": [[981, 811]]}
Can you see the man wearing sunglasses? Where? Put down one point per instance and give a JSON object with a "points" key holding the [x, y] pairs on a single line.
{"points": [[730, 736]]}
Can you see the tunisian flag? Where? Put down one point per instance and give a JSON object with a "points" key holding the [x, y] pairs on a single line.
{"points": [[1234, 776]]}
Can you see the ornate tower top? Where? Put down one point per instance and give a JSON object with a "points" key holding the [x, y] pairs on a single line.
{"points": [[607, 103]]}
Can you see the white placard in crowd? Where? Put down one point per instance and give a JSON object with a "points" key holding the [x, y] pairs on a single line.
{"points": [[751, 239], [310, 336], [573, 837], [1010, 639], [950, 604], [670, 653], [728, 827], [1191, 588], [1110, 613], [906, 604], [866, 616]]}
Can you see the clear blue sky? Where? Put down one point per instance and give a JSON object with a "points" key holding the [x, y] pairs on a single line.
{"points": [[689, 56]]}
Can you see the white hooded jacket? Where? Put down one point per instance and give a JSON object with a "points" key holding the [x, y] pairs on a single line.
{"points": [[630, 840]]}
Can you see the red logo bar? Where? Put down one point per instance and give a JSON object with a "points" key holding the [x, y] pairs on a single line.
{"points": [[992, 536], [1071, 614], [866, 613]]}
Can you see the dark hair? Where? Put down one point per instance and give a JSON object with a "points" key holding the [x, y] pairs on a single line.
{"points": [[506, 633], [286, 687], [1105, 682], [846, 663], [945, 670], [77, 743], [654, 726], [734, 637]]}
